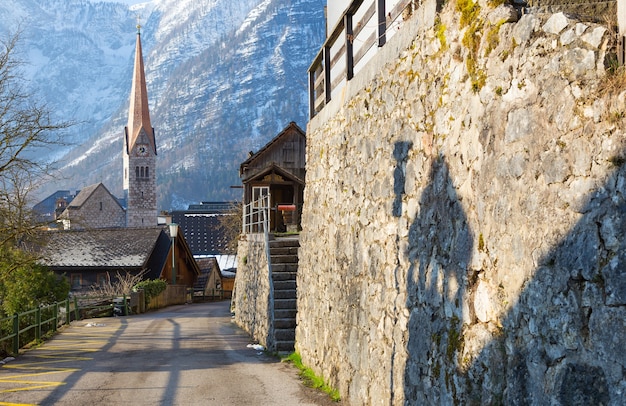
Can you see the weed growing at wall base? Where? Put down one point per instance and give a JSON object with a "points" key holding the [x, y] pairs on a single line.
{"points": [[309, 377]]}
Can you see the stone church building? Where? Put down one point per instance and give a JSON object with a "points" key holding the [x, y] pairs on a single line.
{"points": [[94, 206], [139, 152]]}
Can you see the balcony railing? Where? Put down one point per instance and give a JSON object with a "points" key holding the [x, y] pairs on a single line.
{"points": [[256, 216], [363, 27], [367, 25]]}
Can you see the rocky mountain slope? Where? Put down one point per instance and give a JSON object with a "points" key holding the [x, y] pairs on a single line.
{"points": [[223, 78]]}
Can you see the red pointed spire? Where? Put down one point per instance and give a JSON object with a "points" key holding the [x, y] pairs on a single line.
{"points": [[138, 112]]}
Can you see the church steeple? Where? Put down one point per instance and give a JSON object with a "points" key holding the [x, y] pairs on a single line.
{"points": [[138, 111], [139, 153]]}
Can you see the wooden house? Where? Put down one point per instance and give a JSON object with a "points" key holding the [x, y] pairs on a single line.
{"points": [[277, 170], [89, 258], [213, 282]]}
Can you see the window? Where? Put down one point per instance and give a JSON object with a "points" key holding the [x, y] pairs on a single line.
{"points": [[137, 172], [142, 173], [100, 206], [76, 280], [101, 279], [147, 172]]}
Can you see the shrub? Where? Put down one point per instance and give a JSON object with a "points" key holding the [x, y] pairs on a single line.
{"points": [[151, 288]]}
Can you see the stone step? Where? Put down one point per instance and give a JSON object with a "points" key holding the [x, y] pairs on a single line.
{"points": [[284, 242], [284, 276], [285, 334], [285, 304], [284, 268], [284, 313], [282, 284], [284, 259], [285, 323], [285, 293], [285, 346], [284, 250]]}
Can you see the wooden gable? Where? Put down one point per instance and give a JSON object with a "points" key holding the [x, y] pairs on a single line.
{"points": [[287, 150]]}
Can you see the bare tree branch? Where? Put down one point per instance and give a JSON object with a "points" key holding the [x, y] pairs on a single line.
{"points": [[28, 134]]}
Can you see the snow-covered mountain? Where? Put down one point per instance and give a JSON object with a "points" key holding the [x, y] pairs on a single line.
{"points": [[223, 78]]}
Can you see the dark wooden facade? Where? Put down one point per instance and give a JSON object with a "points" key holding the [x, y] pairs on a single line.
{"points": [[280, 167]]}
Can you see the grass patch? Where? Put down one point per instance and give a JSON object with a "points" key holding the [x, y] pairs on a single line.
{"points": [[309, 377]]}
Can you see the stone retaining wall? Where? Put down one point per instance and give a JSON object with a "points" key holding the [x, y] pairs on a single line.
{"points": [[464, 219], [250, 302]]}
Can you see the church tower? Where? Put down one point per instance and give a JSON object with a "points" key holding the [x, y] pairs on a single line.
{"points": [[139, 152]]}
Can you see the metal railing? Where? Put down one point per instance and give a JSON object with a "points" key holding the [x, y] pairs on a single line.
{"points": [[33, 324], [256, 216], [362, 26], [22, 328]]}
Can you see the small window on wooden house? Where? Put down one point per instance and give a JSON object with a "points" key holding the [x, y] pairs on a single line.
{"points": [[76, 280], [101, 279]]}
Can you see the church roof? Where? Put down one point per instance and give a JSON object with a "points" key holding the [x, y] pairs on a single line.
{"points": [[85, 193], [138, 111]]}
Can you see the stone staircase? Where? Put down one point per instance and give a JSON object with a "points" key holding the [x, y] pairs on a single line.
{"points": [[284, 259]]}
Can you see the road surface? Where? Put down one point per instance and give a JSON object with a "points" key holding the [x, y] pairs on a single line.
{"points": [[183, 355]]}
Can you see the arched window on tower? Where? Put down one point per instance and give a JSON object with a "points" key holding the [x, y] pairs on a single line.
{"points": [[137, 172], [147, 171]]}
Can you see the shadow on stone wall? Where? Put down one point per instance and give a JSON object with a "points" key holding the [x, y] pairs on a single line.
{"points": [[561, 343], [440, 248], [400, 153], [564, 340]]}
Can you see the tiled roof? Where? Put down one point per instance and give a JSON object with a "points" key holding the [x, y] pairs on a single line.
{"points": [[120, 247], [202, 232], [206, 264], [83, 195]]}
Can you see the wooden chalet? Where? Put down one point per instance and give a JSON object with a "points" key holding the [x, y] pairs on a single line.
{"points": [[89, 258], [277, 170], [213, 282]]}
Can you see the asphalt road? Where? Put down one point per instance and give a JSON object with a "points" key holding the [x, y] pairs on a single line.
{"points": [[183, 355]]}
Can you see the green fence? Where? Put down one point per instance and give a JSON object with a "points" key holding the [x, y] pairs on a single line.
{"points": [[23, 328]]}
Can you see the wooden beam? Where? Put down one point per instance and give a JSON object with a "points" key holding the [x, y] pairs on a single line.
{"points": [[349, 50], [382, 23], [327, 88]]}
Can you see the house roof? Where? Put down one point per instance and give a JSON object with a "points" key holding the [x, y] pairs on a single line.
{"points": [[207, 264], [47, 206], [101, 248], [203, 232]]}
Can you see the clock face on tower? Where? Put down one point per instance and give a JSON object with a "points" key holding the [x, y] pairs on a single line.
{"points": [[142, 150]]}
